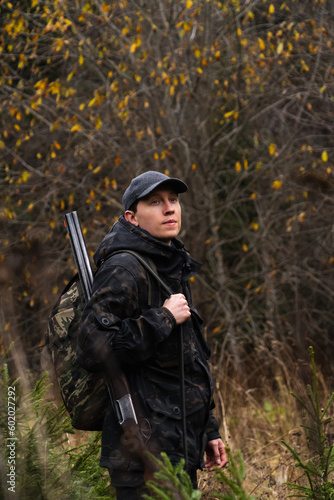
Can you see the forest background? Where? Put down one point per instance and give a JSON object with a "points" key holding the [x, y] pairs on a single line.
{"points": [[234, 97]]}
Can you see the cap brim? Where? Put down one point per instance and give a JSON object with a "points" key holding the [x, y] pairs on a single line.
{"points": [[177, 184]]}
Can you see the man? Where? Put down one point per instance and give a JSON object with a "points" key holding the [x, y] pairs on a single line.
{"points": [[129, 319]]}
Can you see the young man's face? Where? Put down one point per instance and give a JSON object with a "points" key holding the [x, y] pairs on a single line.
{"points": [[159, 213]]}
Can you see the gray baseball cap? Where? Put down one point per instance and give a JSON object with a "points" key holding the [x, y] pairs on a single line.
{"points": [[146, 183]]}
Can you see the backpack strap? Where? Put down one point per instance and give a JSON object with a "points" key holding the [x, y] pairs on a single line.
{"points": [[152, 270]]}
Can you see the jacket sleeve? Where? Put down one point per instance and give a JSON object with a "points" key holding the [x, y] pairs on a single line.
{"points": [[114, 322], [212, 428]]}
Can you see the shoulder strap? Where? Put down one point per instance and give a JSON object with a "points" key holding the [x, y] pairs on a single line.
{"points": [[149, 266]]}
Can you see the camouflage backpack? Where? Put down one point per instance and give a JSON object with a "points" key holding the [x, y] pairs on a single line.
{"points": [[84, 394]]}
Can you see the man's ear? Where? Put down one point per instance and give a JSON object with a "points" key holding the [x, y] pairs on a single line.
{"points": [[130, 216]]}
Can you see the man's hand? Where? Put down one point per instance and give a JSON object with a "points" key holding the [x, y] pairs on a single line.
{"points": [[215, 454], [178, 306]]}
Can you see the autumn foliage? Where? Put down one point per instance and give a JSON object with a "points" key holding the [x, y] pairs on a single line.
{"points": [[235, 97]]}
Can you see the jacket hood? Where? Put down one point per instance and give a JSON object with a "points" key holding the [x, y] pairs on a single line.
{"points": [[169, 259]]}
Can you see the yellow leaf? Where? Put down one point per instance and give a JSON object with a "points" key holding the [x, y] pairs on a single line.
{"points": [[245, 247], [255, 226], [193, 166], [172, 90], [25, 176], [277, 185], [261, 44], [280, 48], [76, 128], [189, 4], [324, 156], [105, 7], [81, 59], [133, 47], [98, 123], [304, 66], [97, 169], [272, 148], [271, 9], [2, 144], [238, 166], [197, 53]]}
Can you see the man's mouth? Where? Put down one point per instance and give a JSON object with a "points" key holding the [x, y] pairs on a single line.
{"points": [[170, 221]]}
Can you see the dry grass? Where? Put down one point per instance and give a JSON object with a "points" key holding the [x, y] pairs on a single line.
{"points": [[257, 411]]}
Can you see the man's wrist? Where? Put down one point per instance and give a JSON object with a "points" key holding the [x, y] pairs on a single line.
{"points": [[170, 316]]}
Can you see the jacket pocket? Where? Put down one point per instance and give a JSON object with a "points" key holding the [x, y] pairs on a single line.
{"points": [[165, 418], [169, 404]]}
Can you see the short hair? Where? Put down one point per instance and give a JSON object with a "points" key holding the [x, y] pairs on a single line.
{"points": [[134, 206]]}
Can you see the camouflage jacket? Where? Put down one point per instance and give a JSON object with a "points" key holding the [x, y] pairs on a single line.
{"points": [[118, 323]]}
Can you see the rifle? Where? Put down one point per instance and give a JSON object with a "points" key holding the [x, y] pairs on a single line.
{"points": [[116, 382]]}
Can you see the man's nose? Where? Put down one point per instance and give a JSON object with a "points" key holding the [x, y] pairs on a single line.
{"points": [[169, 207]]}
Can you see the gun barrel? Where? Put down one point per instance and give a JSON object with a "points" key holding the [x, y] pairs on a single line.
{"points": [[80, 253]]}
